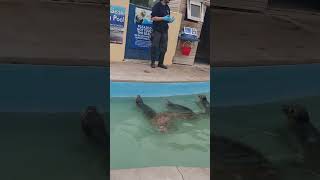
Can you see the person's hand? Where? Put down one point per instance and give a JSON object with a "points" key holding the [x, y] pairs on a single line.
{"points": [[146, 21], [167, 18]]}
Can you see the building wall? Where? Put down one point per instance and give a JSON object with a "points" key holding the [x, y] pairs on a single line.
{"points": [[179, 58], [175, 5]]}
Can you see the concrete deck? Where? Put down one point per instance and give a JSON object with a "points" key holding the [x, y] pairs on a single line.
{"points": [[161, 173], [274, 37], [43, 32], [135, 70]]}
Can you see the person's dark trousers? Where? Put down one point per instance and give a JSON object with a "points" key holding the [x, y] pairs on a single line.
{"points": [[159, 46]]}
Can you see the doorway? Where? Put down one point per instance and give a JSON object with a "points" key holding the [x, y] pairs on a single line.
{"points": [[203, 50]]}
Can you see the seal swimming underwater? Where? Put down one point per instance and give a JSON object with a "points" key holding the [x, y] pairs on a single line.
{"points": [[187, 113], [203, 101], [299, 122], [93, 125], [162, 121], [305, 133]]}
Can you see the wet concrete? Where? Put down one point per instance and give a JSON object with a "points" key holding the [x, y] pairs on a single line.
{"points": [[161, 173], [141, 71]]}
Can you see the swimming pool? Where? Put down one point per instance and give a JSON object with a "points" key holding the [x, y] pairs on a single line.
{"points": [[41, 135], [135, 144], [247, 108]]}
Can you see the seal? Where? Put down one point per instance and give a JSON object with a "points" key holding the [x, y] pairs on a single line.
{"points": [[236, 161], [159, 120], [305, 133], [93, 126], [204, 103], [162, 121], [299, 123]]}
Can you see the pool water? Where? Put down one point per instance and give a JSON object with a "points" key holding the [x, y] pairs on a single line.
{"points": [[263, 127], [135, 144], [48, 146]]}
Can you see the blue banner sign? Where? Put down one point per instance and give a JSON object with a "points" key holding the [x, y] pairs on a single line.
{"points": [[141, 29], [117, 16], [117, 20]]}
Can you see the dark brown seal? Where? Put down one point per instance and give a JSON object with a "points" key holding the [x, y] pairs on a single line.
{"points": [[306, 134], [93, 126]]}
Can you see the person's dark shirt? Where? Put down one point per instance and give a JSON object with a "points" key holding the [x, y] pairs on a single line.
{"points": [[160, 10]]}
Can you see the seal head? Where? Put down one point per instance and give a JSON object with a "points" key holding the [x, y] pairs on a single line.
{"points": [[296, 112]]}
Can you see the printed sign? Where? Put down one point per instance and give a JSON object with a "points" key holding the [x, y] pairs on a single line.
{"points": [[142, 29], [117, 20]]}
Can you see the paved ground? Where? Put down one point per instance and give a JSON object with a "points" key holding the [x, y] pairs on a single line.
{"points": [[161, 173], [141, 71], [36, 31], [274, 37]]}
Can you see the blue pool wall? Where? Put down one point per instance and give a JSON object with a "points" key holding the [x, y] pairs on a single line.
{"points": [[61, 88], [35, 88], [233, 86], [132, 89]]}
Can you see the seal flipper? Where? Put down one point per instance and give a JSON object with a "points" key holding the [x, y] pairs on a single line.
{"points": [[172, 107], [148, 111]]}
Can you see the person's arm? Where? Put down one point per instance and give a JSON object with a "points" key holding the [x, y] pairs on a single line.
{"points": [[156, 18]]}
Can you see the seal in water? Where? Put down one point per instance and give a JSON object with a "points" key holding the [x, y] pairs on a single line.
{"points": [[164, 119], [203, 101], [160, 120], [233, 160], [186, 113], [305, 133], [180, 112], [92, 123], [300, 124]]}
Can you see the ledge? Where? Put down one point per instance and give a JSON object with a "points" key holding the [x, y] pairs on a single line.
{"points": [[132, 89], [161, 173]]}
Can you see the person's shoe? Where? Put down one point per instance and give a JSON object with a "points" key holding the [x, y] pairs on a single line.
{"points": [[153, 65], [162, 66]]}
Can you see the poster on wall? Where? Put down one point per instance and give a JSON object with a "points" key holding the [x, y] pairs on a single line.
{"points": [[142, 29], [117, 19]]}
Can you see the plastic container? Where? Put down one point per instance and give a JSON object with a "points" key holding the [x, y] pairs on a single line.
{"points": [[186, 48]]}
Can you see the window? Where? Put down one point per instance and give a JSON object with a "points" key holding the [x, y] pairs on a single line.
{"points": [[195, 9]]}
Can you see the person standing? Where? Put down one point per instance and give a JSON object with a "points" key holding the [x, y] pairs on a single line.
{"points": [[161, 17]]}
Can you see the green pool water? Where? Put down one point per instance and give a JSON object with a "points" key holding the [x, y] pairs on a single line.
{"points": [[134, 143], [48, 146], [264, 128]]}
